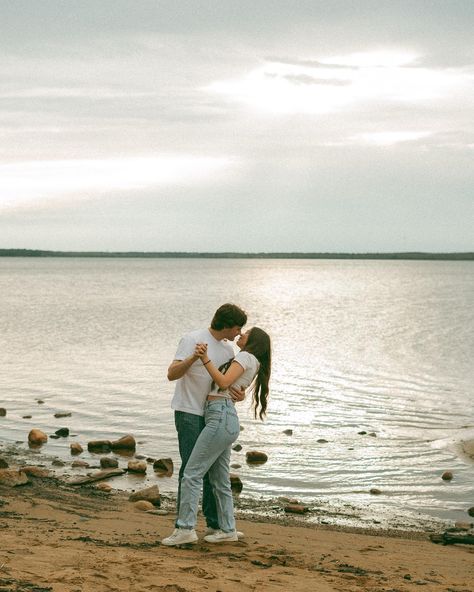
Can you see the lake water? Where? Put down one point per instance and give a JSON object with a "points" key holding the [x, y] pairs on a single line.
{"points": [[384, 347]]}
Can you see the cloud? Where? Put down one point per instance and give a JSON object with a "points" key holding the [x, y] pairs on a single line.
{"points": [[27, 182]]}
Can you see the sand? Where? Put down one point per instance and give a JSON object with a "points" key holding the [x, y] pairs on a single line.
{"points": [[58, 538]]}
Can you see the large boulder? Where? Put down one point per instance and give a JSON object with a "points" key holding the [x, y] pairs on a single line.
{"points": [[37, 437], [254, 456], [124, 443], [150, 494], [12, 477]]}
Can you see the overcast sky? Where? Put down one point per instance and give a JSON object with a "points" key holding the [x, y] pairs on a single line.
{"points": [[249, 125]]}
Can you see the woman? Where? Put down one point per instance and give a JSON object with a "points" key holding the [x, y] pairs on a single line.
{"points": [[250, 367]]}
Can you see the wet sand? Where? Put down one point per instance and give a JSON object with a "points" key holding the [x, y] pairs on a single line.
{"points": [[54, 537]]}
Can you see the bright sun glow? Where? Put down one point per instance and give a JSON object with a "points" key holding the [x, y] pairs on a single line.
{"points": [[28, 181], [338, 83]]}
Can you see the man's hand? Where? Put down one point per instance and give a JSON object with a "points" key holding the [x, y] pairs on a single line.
{"points": [[237, 394]]}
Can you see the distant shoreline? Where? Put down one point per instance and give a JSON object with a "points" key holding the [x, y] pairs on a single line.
{"points": [[411, 255]]}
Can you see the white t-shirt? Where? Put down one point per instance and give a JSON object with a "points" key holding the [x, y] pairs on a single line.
{"points": [[250, 364], [192, 389]]}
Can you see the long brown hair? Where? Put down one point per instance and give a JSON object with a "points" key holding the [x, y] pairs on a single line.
{"points": [[259, 344]]}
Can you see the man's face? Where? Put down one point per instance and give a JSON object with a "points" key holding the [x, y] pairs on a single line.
{"points": [[232, 332]]}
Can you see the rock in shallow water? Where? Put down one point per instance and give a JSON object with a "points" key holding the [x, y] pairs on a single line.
{"points": [[76, 448], [164, 466], [37, 437], [254, 456], [99, 446], [235, 483], [3, 411], [124, 443], [108, 463], [137, 466], [447, 476]]}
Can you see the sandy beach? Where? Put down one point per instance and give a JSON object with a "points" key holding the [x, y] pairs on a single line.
{"points": [[59, 538]]}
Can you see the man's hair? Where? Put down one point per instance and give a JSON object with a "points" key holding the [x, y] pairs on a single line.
{"points": [[227, 316]]}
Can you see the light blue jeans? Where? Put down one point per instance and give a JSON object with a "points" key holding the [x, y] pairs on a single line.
{"points": [[211, 453]]}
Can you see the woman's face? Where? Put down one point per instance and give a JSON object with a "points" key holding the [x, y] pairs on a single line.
{"points": [[242, 340]]}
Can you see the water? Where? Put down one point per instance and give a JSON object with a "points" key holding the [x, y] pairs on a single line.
{"points": [[384, 347]]}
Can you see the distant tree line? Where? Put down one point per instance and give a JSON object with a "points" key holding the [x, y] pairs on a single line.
{"points": [[415, 255]]}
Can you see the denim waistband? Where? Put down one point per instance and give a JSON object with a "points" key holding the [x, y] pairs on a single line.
{"points": [[224, 402]]}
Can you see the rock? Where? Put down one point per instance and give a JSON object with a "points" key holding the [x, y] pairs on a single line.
{"points": [[236, 483], [235, 466], [375, 491], [104, 487], [254, 456], [447, 476], [54, 436], [76, 448], [37, 437], [150, 459], [99, 446], [124, 443], [144, 506], [137, 466], [58, 463], [241, 428], [150, 494], [99, 476], [140, 456], [80, 463], [471, 511], [62, 432], [372, 434], [463, 525], [237, 448], [59, 414], [3, 411], [288, 432], [3, 464], [38, 472], [40, 402], [468, 447], [164, 466], [108, 463], [362, 433], [27, 416], [295, 509], [322, 441], [13, 477]]}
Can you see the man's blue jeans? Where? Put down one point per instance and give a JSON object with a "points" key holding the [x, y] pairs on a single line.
{"points": [[189, 426]]}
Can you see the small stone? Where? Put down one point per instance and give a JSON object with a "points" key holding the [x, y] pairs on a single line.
{"points": [[106, 462], [164, 466], [3, 411], [27, 416], [104, 487], [288, 432], [37, 437], [372, 434], [3, 464], [62, 432], [241, 428], [60, 414], [140, 456], [235, 466], [76, 448], [375, 491], [80, 463], [295, 509], [124, 443], [471, 511], [150, 494], [447, 476], [407, 577], [137, 466], [236, 483], [322, 441], [58, 463], [362, 433], [54, 436], [99, 446], [144, 506], [12, 477], [237, 448], [150, 459], [40, 402], [254, 456], [35, 472]]}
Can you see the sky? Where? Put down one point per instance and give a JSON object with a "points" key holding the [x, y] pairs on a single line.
{"points": [[255, 126]]}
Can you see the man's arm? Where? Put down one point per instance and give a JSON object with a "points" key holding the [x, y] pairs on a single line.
{"points": [[178, 368]]}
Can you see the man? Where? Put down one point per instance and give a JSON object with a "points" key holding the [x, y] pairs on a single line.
{"points": [[194, 384]]}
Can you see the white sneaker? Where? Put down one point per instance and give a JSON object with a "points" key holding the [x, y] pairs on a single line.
{"points": [[221, 537], [180, 536], [240, 534]]}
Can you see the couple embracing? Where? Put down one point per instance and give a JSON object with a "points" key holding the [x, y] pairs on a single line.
{"points": [[209, 380]]}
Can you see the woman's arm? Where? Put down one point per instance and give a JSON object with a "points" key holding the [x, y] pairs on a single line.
{"points": [[223, 381]]}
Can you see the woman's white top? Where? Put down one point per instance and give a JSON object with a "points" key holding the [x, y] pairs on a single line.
{"points": [[250, 364]]}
